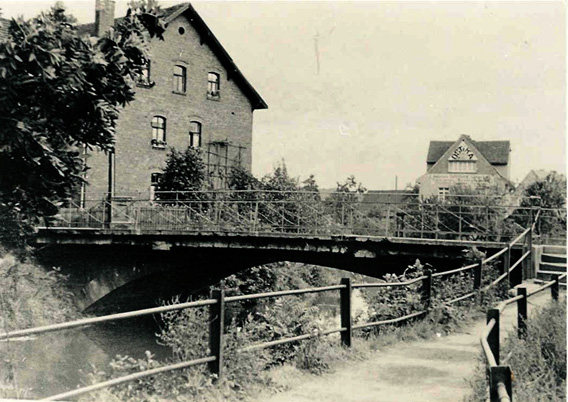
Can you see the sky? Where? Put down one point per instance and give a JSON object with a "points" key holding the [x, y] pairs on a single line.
{"points": [[392, 77]]}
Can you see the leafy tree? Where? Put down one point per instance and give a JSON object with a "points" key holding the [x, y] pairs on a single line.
{"points": [[184, 172], [61, 92], [551, 191]]}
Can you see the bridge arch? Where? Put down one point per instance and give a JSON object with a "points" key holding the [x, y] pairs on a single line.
{"points": [[113, 272]]}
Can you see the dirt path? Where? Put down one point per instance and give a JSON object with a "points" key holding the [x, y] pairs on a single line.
{"points": [[434, 370]]}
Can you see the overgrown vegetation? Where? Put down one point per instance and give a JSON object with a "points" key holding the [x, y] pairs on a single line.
{"points": [[60, 93], [30, 296], [538, 360]]}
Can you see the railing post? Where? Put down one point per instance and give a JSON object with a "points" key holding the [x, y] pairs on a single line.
{"points": [[459, 222], [216, 329], [388, 221], [345, 307], [529, 274], [477, 275], [493, 336], [437, 219], [507, 265], [427, 289], [500, 375], [555, 287], [522, 312]]}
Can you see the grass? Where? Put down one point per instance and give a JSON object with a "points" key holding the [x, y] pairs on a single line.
{"points": [[538, 360]]}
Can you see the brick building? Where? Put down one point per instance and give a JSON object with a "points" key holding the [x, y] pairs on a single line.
{"points": [[192, 94], [476, 164]]}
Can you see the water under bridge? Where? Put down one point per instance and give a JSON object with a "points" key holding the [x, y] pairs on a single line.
{"points": [[128, 252]]}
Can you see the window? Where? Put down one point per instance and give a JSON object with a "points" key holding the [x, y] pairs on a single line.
{"points": [[443, 192], [213, 87], [195, 134], [155, 179], [179, 79], [143, 79], [158, 132], [462, 166]]}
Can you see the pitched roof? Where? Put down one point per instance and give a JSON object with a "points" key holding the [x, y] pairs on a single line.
{"points": [[496, 152], [169, 14]]}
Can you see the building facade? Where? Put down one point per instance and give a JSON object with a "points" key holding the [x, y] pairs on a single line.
{"points": [[480, 165], [191, 94]]}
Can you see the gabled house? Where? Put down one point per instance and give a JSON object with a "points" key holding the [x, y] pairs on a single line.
{"points": [[481, 165], [191, 95]]}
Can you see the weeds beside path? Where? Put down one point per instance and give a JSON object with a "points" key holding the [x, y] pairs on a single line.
{"points": [[433, 370]]}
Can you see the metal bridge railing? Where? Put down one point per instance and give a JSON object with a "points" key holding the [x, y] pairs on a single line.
{"points": [[255, 212]]}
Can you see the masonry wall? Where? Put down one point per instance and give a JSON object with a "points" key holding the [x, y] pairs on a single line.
{"points": [[228, 118]]}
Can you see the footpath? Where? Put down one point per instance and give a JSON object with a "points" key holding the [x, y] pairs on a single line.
{"points": [[433, 370]]}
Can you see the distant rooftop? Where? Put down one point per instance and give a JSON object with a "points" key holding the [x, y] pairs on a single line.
{"points": [[496, 152]]}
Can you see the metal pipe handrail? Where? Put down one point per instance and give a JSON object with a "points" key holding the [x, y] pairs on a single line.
{"points": [[496, 255], [128, 378], [390, 321], [485, 345], [97, 320], [302, 337], [388, 284], [453, 271], [457, 299], [519, 237], [282, 293]]}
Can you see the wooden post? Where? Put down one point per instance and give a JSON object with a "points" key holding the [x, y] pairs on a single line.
{"points": [[522, 312], [477, 275], [216, 329], [554, 288], [507, 265], [500, 374], [437, 219], [427, 289], [493, 337], [345, 307]]}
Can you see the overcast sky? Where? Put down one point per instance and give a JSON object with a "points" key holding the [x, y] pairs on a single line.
{"points": [[392, 76]]}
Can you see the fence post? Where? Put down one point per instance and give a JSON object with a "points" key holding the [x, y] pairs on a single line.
{"points": [[522, 312], [497, 375], [388, 223], [345, 307], [493, 336], [427, 289], [507, 265], [477, 275], [437, 219], [554, 288], [216, 329], [529, 273]]}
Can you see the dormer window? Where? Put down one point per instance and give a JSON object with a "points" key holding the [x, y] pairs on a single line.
{"points": [[143, 78], [179, 79], [195, 134], [158, 132], [213, 86]]}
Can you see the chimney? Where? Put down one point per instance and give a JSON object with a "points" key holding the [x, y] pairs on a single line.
{"points": [[104, 16]]}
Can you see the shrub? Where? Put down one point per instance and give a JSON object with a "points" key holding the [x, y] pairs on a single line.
{"points": [[538, 360]]}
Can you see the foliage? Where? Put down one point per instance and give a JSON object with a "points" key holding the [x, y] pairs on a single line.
{"points": [[184, 172], [538, 360], [60, 93], [551, 190], [32, 296]]}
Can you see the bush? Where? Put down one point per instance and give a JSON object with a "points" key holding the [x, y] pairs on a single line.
{"points": [[538, 361]]}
